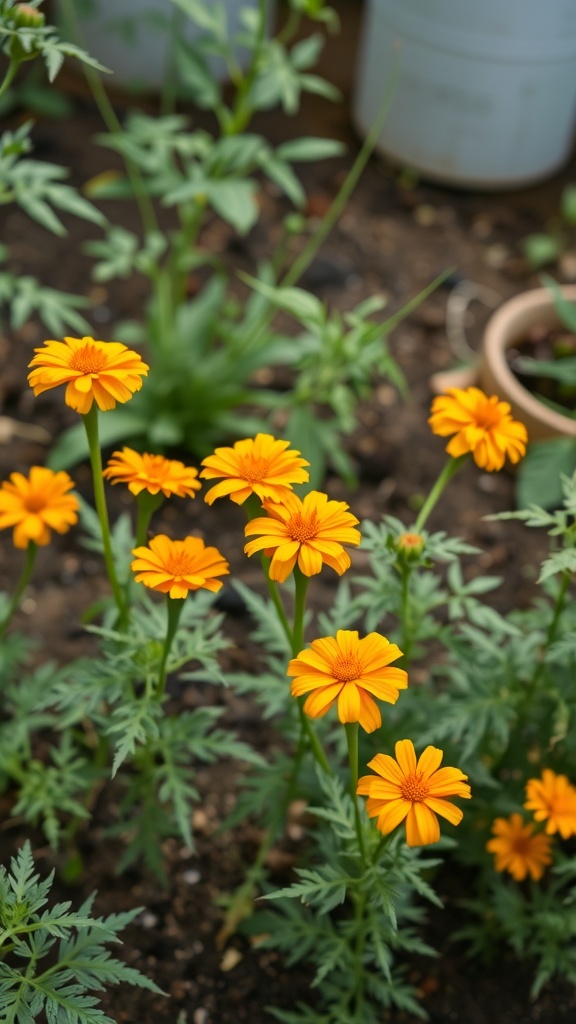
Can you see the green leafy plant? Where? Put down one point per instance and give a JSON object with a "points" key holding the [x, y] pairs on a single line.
{"points": [[51, 957], [549, 246], [206, 350]]}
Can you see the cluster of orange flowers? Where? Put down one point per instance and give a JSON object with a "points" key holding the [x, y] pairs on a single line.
{"points": [[345, 670], [518, 847]]}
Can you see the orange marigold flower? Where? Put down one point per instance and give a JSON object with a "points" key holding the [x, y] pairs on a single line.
{"points": [[259, 465], [152, 473], [518, 850], [102, 371], [176, 566], [310, 532], [553, 799], [37, 504], [413, 791], [481, 425], [348, 670]]}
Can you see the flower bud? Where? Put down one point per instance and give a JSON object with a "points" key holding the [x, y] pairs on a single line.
{"points": [[409, 545], [26, 16]]}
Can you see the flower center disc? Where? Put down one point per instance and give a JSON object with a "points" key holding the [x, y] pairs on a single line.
{"points": [[179, 566], [414, 788], [35, 503], [303, 529], [254, 470], [487, 416], [521, 845], [88, 360], [346, 667]]}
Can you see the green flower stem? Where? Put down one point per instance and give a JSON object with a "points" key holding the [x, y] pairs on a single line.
{"points": [[253, 509], [9, 76], [301, 583], [276, 600], [405, 617], [174, 609], [352, 741], [31, 552], [303, 261], [450, 469], [147, 505], [91, 426]]}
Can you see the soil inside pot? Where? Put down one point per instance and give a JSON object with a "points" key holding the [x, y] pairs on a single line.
{"points": [[555, 382]]}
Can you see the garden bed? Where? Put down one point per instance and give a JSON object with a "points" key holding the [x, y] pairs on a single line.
{"points": [[394, 238]]}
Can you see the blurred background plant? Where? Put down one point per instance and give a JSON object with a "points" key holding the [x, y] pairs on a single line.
{"points": [[36, 186], [205, 337], [557, 244]]}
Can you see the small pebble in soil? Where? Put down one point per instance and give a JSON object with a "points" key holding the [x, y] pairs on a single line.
{"points": [[425, 215], [231, 959], [191, 877], [149, 920]]}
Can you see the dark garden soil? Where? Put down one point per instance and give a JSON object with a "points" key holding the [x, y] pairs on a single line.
{"points": [[396, 235]]}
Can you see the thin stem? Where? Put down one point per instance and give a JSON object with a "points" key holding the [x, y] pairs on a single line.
{"points": [[315, 745], [301, 584], [450, 469], [303, 261], [276, 600], [31, 552], [301, 587], [9, 76], [406, 644], [90, 420], [352, 741], [174, 610], [147, 505]]}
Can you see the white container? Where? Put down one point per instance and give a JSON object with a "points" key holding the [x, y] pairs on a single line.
{"points": [[132, 37], [486, 89]]}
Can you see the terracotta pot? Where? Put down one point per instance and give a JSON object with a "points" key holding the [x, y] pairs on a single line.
{"points": [[511, 324]]}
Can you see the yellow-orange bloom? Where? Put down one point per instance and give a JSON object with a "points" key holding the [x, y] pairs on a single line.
{"points": [[518, 850], [102, 371], [260, 465], [37, 504], [481, 425], [310, 532], [152, 473], [348, 670], [175, 567], [415, 791], [553, 799]]}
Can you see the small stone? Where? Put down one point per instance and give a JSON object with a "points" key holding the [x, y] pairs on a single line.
{"points": [[496, 256], [425, 215], [149, 920], [191, 877], [231, 959]]}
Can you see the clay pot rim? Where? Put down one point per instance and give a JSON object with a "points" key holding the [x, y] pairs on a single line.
{"points": [[505, 327]]}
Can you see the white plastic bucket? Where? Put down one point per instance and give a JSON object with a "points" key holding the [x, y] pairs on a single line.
{"points": [[132, 37], [485, 92]]}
